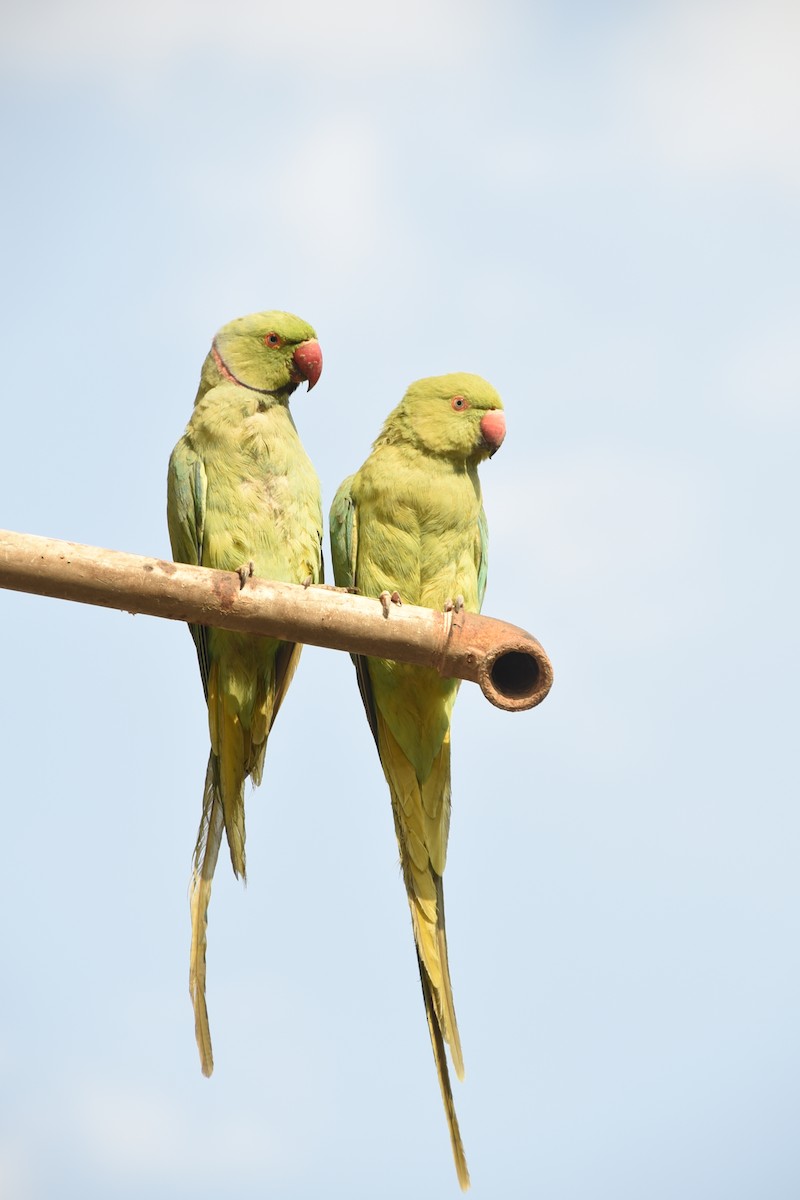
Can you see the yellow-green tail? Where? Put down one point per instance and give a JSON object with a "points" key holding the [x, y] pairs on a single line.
{"points": [[437, 992], [231, 744], [233, 756], [440, 1058], [206, 852], [422, 818], [237, 751]]}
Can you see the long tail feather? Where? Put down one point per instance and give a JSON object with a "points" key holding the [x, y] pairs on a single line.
{"points": [[228, 745], [450, 1023], [440, 1058], [206, 852], [231, 779], [421, 817], [426, 901], [241, 710]]}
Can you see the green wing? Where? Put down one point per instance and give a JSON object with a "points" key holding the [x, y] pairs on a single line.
{"points": [[483, 556], [344, 552], [344, 536], [186, 518]]}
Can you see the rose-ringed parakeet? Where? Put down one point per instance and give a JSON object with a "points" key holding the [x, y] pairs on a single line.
{"points": [[410, 524], [242, 496]]}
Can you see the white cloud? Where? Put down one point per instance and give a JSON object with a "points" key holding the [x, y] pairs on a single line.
{"points": [[43, 38], [327, 219], [714, 86], [620, 533], [15, 1176], [125, 1131], [331, 196], [692, 89], [128, 1130], [762, 378]]}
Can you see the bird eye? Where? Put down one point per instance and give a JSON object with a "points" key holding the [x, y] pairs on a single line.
{"points": [[459, 403], [273, 339]]}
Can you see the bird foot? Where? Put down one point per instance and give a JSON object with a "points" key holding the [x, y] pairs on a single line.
{"points": [[455, 606], [307, 582], [386, 598], [245, 572]]}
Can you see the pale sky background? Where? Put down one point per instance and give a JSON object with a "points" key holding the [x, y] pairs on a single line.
{"points": [[595, 205]]}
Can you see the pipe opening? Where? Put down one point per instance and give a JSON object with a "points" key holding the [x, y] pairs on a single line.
{"points": [[515, 674]]}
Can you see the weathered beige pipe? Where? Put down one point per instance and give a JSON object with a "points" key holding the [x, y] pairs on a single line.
{"points": [[509, 665]]}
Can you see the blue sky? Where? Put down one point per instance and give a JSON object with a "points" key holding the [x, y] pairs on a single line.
{"points": [[594, 206]]}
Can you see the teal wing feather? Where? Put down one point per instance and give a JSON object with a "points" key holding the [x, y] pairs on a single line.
{"points": [[186, 515], [483, 556], [344, 553]]}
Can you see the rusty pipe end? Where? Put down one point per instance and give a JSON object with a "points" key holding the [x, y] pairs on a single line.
{"points": [[516, 674]]}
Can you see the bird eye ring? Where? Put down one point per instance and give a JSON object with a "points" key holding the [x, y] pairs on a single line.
{"points": [[273, 339], [459, 403]]}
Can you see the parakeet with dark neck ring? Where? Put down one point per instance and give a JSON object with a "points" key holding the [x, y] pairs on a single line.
{"points": [[242, 496]]}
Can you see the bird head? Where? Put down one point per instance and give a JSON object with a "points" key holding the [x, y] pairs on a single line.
{"points": [[268, 352], [459, 416]]}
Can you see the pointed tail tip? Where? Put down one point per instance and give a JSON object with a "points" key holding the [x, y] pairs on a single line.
{"points": [[202, 1032], [202, 1035], [205, 1051], [238, 862], [464, 1181]]}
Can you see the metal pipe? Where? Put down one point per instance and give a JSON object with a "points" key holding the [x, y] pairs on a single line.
{"points": [[509, 665]]}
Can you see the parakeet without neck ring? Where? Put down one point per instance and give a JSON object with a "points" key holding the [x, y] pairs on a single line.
{"points": [[410, 525]]}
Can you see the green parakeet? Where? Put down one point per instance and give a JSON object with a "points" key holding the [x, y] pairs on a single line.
{"points": [[242, 496], [410, 524]]}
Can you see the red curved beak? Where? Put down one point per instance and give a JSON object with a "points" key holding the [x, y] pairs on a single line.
{"points": [[493, 429], [307, 360]]}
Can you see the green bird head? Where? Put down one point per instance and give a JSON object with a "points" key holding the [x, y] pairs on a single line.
{"points": [[267, 352], [459, 416]]}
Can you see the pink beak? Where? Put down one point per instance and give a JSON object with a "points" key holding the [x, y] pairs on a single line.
{"points": [[307, 360], [493, 429]]}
